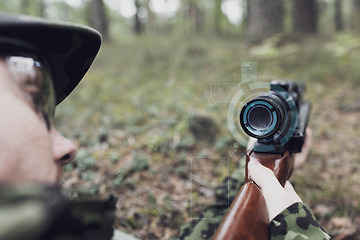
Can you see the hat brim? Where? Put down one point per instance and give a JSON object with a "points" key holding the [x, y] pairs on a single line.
{"points": [[68, 48]]}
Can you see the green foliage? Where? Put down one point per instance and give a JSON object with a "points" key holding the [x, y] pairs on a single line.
{"points": [[84, 161], [182, 171], [224, 144], [68, 167], [114, 157], [134, 221], [151, 199], [150, 211], [103, 134], [176, 220], [270, 48], [119, 179], [88, 175], [186, 143], [88, 192], [140, 163], [342, 45]]}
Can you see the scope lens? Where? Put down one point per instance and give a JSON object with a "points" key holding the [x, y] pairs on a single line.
{"points": [[259, 118]]}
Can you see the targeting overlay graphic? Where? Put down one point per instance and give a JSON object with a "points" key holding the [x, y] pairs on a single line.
{"points": [[236, 95]]}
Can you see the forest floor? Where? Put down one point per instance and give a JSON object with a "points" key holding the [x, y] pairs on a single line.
{"points": [[150, 114]]}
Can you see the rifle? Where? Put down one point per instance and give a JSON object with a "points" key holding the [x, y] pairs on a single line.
{"points": [[278, 120]]}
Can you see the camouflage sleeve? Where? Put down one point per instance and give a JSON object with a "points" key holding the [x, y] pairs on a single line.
{"points": [[205, 226], [296, 222], [39, 212]]}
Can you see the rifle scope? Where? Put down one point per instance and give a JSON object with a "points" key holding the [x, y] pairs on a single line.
{"points": [[278, 117], [265, 116], [268, 117]]}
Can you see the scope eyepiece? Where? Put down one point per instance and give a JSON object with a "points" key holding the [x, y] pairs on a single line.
{"points": [[266, 117], [277, 118], [259, 118]]}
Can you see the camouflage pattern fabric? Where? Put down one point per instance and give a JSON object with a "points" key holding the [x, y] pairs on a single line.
{"points": [[294, 223], [297, 222], [43, 213]]}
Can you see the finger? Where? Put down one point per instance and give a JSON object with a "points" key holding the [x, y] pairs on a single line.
{"points": [[308, 136], [265, 178], [300, 158]]}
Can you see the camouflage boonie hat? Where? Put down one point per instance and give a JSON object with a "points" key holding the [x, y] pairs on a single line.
{"points": [[69, 49]]}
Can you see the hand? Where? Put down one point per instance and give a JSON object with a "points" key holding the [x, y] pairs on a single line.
{"points": [[277, 198]]}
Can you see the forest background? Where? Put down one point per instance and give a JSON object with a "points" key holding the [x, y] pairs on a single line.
{"points": [[156, 98]]}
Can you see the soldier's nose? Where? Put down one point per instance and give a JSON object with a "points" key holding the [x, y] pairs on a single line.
{"points": [[64, 150]]}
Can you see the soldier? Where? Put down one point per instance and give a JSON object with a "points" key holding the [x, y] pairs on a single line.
{"points": [[40, 64]]}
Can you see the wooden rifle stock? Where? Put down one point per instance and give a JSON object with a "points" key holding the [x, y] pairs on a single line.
{"points": [[247, 217]]}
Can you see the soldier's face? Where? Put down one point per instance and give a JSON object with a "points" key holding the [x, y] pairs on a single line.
{"points": [[30, 151]]}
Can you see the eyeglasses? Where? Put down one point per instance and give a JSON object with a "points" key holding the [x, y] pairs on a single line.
{"points": [[34, 81]]}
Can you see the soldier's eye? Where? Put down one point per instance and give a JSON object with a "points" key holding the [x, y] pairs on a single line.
{"points": [[35, 83], [47, 119]]}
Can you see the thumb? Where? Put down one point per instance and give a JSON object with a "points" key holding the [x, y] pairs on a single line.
{"points": [[276, 197], [264, 177]]}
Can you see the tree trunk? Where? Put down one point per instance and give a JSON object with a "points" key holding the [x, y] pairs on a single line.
{"points": [[138, 27], [219, 17], [42, 8], [195, 14], [305, 16], [338, 18], [151, 19], [265, 18], [246, 5], [98, 18], [25, 7], [356, 15], [192, 16]]}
